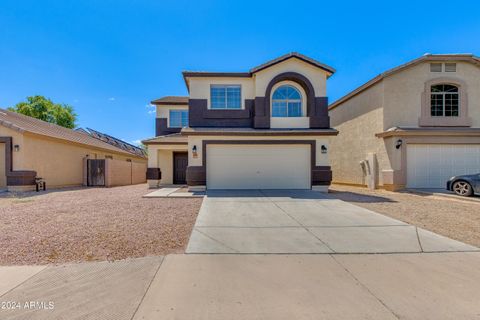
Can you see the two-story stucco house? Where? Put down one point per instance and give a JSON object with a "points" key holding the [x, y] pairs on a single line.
{"points": [[413, 126], [267, 128]]}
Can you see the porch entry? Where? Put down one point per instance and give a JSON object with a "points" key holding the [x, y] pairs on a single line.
{"points": [[180, 163]]}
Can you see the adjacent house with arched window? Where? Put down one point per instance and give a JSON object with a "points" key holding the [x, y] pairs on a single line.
{"points": [[267, 128], [413, 126]]}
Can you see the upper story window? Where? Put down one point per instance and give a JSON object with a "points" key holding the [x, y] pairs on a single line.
{"points": [[444, 101], [226, 97], [450, 67], [435, 67], [178, 118], [286, 102]]}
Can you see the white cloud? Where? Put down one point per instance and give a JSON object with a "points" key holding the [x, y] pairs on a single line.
{"points": [[150, 108], [111, 99], [136, 142]]}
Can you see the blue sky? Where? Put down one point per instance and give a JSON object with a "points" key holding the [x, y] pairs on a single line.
{"points": [[108, 59]]}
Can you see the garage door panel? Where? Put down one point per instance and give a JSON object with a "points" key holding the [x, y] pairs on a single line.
{"points": [[258, 167], [430, 166]]}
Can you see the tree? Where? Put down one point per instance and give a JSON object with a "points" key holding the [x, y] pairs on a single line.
{"points": [[45, 109]]}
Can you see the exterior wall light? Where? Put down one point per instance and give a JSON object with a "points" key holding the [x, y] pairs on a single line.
{"points": [[398, 144], [16, 147], [194, 151], [323, 149]]}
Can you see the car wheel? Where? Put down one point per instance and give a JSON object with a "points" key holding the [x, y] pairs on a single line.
{"points": [[462, 188]]}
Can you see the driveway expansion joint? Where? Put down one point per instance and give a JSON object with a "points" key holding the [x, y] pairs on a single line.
{"points": [[148, 288], [24, 281], [365, 287]]}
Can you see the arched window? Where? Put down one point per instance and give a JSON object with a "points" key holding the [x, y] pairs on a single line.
{"points": [[444, 101], [286, 102]]}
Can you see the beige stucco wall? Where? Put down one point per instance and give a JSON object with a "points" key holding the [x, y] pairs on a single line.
{"points": [[322, 159], [139, 170], [257, 86], [121, 172], [358, 120], [161, 156], [317, 77], [200, 87], [403, 92], [163, 111], [117, 173], [59, 162]]}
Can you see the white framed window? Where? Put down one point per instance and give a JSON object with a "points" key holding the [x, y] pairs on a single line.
{"points": [[444, 101], [225, 97], [178, 118], [287, 102]]}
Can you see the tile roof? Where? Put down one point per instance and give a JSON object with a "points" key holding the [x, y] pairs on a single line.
{"points": [[171, 100], [174, 138], [293, 55], [23, 123]]}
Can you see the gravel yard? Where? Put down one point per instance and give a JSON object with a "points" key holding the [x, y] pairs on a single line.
{"points": [[87, 224], [456, 219]]}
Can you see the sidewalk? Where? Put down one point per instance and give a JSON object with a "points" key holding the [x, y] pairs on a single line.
{"points": [[352, 286]]}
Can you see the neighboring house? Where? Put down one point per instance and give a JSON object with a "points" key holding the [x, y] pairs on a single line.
{"points": [[264, 129], [413, 126], [114, 141], [32, 148]]}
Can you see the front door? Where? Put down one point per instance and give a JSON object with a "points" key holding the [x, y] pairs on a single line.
{"points": [[180, 163]]}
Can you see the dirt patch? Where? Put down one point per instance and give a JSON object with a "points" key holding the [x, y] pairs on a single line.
{"points": [[456, 219], [89, 224]]}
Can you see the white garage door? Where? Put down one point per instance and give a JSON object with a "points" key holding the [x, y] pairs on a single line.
{"points": [[258, 167], [431, 165]]}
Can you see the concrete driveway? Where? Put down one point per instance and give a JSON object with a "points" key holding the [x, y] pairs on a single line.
{"points": [[292, 221]]}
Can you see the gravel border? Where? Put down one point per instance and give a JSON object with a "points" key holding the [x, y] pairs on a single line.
{"points": [[453, 218], [91, 224]]}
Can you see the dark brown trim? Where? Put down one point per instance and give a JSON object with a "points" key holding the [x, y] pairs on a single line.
{"points": [[199, 115], [317, 107], [162, 128], [270, 132], [196, 176], [166, 103], [154, 174], [320, 175], [171, 100], [20, 177], [216, 74]]}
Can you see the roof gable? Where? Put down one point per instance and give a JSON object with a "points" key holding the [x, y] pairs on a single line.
{"points": [[251, 72], [291, 55], [466, 57]]}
